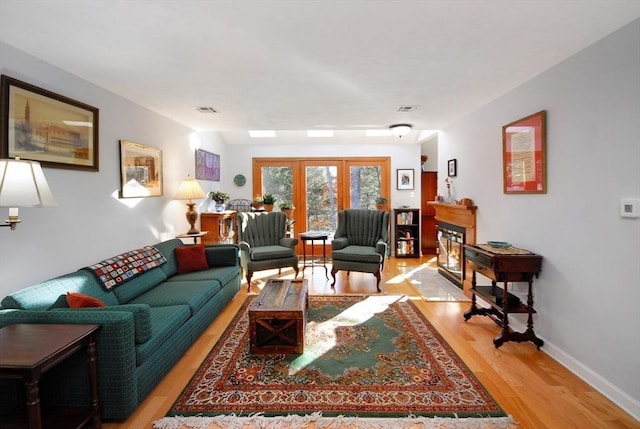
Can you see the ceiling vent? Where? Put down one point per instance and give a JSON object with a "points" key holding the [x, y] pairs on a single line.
{"points": [[206, 109], [406, 108]]}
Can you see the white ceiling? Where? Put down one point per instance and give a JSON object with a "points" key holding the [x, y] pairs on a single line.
{"points": [[291, 65]]}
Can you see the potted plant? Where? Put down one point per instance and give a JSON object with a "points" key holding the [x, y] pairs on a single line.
{"points": [[219, 197], [268, 200], [287, 208], [381, 203]]}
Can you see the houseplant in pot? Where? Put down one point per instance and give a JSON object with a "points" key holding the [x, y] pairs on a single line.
{"points": [[219, 198], [268, 200], [381, 203], [287, 208]]}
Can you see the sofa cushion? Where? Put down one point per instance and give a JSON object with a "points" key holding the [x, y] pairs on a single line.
{"points": [[42, 295], [131, 289], [271, 252], [165, 321], [191, 258], [221, 275], [192, 293], [80, 300]]}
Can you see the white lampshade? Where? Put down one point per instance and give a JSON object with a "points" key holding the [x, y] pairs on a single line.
{"points": [[22, 184], [400, 129], [189, 189]]}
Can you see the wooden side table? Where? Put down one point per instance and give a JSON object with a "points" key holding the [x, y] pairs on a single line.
{"points": [[29, 350], [194, 236], [313, 236]]}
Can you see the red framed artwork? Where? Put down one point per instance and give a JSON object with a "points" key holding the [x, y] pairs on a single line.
{"points": [[524, 155]]}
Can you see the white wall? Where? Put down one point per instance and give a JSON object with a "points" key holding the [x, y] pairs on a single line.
{"points": [[91, 223], [239, 161], [588, 294]]}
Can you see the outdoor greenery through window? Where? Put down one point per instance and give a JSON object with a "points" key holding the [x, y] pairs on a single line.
{"points": [[320, 187]]}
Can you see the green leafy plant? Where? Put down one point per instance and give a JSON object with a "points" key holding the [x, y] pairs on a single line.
{"points": [[381, 200], [287, 205], [218, 196], [268, 199]]}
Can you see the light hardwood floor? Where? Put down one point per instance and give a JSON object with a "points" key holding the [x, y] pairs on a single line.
{"points": [[529, 385]]}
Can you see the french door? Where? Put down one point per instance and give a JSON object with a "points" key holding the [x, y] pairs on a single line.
{"points": [[320, 187]]}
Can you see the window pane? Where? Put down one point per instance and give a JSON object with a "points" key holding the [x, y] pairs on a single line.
{"points": [[279, 182], [365, 186], [322, 198]]}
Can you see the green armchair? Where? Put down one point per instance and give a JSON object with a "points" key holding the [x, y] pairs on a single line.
{"points": [[360, 242], [263, 245]]}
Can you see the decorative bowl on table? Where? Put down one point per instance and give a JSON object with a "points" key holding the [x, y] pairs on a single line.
{"points": [[498, 244]]}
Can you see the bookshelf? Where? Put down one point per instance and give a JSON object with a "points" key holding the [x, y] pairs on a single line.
{"points": [[406, 232], [221, 227]]}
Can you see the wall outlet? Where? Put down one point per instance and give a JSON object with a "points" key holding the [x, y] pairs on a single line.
{"points": [[629, 208]]}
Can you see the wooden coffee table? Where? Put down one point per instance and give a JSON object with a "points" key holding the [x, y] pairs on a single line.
{"points": [[278, 316]]}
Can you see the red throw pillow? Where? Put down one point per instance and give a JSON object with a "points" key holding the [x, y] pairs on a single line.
{"points": [[191, 258], [79, 300]]}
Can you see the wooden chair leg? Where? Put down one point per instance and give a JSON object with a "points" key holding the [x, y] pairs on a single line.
{"points": [[333, 274]]}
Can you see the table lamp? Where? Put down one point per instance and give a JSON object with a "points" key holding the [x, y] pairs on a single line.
{"points": [[190, 189]]}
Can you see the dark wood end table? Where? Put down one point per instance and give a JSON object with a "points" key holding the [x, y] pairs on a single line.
{"points": [[29, 350], [313, 236]]}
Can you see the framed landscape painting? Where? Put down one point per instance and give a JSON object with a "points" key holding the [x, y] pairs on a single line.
{"points": [[40, 125], [140, 170]]}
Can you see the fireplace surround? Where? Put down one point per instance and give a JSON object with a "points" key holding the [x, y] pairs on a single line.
{"points": [[455, 227]]}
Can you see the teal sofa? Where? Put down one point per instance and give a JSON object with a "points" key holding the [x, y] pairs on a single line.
{"points": [[147, 325]]}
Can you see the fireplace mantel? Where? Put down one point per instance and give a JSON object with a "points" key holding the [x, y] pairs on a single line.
{"points": [[455, 214], [463, 216]]}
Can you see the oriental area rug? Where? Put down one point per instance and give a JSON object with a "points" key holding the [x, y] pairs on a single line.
{"points": [[368, 362]]}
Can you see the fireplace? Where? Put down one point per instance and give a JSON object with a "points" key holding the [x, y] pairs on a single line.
{"points": [[451, 239], [455, 227]]}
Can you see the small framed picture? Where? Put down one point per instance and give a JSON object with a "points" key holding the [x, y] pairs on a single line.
{"points": [[453, 167], [140, 170], [405, 178]]}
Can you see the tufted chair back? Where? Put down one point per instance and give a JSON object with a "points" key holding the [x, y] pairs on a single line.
{"points": [[262, 228], [363, 227]]}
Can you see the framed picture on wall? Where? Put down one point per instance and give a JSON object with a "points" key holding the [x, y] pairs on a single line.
{"points": [[43, 126], [524, 155], [207, 165], [405, 178], [140, 170], [452, 165]]}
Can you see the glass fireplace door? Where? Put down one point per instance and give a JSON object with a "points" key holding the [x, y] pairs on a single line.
{"points": [[450, 252]]}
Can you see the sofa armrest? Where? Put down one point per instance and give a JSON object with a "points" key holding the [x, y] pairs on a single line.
{"points": [[222, 255], [141, 317], [289, 242], [115, 348]]}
